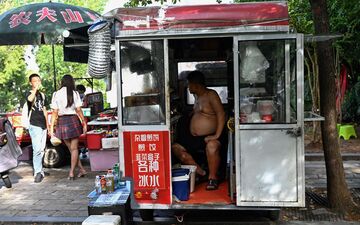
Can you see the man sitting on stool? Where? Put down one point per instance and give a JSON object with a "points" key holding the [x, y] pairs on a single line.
{"points": [[204, 129]]}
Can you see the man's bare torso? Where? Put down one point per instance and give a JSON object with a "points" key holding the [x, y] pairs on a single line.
{"points": [[203, 121]]}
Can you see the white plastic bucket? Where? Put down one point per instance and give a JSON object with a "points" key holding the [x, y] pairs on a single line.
{"points": [[192, 169]]}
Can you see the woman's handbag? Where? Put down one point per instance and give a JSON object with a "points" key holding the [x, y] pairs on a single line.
{"points": [[25, 115]]}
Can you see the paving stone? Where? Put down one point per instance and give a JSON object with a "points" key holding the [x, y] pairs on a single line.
{"points": [[66, 213], [31, 212], [8, 212]]}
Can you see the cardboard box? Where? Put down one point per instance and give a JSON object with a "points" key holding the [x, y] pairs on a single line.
{"points": [[112, 142], [103, 160]]}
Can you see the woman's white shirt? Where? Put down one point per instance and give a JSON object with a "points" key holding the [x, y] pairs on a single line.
{"points": [[59, 101]]}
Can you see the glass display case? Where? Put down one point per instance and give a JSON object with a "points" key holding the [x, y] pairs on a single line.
{"points": [[142, 77], [267, 81]]}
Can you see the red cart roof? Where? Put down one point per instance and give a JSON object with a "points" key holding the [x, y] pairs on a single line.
{"points": [[259, 14]]}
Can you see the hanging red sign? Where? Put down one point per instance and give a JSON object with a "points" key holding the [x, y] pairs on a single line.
{"points": [[148, 160]]}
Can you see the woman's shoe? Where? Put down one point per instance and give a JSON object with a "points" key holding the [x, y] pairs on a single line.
{"points": [[82, 174], [71, 178]]}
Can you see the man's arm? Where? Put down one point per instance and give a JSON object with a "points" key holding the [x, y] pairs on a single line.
{"points": [[220, 115], [32, 95]]}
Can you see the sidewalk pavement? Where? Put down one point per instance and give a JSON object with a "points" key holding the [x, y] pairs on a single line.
{"points": [[58, 200]]}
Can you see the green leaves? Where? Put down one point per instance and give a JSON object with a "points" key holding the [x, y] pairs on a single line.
{"points": [[13, 80]]}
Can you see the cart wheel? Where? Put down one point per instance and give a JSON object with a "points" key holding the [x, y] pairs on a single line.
{"points": [[7, 181], [147, 214], [274, 214], [54, 156]]}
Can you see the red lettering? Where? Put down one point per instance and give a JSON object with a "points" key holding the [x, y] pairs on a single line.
{"points": [[45, 12], [72, 16], [92, 16], [21, 18]]}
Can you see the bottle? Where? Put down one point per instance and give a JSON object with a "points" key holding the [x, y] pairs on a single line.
{"points": [[97, 184], [116, 174], [110, 181], [103, 184]]}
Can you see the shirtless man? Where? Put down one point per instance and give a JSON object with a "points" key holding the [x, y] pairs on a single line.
{"points": [[206, 125]]}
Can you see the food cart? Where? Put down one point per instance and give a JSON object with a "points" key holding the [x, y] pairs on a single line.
{"points": [[249, 55]]}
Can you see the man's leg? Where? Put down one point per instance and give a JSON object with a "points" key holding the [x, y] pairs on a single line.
{"points": [[185, 158], [38, 141], [213, 157]]}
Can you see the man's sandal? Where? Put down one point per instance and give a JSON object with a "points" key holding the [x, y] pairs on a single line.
{"points": [[213, 184]]}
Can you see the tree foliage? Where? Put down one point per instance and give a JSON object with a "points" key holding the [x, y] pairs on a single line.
{"points": [[13, 73], [12, 77]]}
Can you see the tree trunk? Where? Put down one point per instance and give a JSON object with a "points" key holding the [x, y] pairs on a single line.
{"points": [[337, 190]]}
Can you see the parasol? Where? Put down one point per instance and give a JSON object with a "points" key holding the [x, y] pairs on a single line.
{"points": [[42, 23]]}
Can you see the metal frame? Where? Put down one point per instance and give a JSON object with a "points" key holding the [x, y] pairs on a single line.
{"points": [[236, 37], [300, 117]]}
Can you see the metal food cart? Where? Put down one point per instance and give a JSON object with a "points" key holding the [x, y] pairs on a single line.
{"points": [[252, 59]]}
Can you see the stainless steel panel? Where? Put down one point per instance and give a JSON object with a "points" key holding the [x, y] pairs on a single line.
{"points": [[268, 166]]}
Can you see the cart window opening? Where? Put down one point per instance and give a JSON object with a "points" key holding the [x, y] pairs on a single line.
{"points": [[267, 76], [143, 82], [215, 73]]}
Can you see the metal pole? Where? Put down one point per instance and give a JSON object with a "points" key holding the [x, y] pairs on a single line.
{"points": [[53, 57]]}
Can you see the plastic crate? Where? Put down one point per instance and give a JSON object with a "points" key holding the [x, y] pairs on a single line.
{"points": [[93, 139]]}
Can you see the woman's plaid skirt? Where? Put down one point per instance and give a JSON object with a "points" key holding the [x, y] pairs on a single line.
{"points": [[68, 127]]}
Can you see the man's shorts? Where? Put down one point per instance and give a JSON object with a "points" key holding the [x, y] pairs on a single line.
{"points": [[191, 143]]}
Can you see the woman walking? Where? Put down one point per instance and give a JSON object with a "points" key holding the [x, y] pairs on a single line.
{"points": [[66, 105]]}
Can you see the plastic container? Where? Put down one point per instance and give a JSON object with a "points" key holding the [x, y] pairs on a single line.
{"points": [[112, 142], [246, 107], [192, 169], [265, 107], [102, 160], [181, 183], [102, 220], [93, 139]]}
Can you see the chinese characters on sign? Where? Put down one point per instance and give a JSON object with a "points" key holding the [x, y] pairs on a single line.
{"points": [[21, 18], [68, 15], [148, 159]]}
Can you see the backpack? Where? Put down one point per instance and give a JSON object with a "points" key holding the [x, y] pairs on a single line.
{"points": [[26, 113]]}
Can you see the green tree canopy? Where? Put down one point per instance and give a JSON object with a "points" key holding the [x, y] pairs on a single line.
{"points": [[13, 71]]}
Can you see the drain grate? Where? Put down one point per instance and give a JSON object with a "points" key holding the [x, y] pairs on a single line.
{"points": [[356, 193], [318, 199]]}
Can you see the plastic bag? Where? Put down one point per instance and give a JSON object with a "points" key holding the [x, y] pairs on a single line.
{"points": [[253, 63]]}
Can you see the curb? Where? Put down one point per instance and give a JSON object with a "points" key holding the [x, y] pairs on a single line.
{"points": [[320, 156], [41, 220]]}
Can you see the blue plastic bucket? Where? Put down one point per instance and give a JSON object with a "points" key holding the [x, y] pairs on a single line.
{"points": [[181, 183]]}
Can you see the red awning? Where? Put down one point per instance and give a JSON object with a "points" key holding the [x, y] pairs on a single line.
{"points": [[202, 16]]}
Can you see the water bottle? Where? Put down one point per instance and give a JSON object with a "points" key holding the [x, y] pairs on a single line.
{"points": [[110, 182], [98, 184]]}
